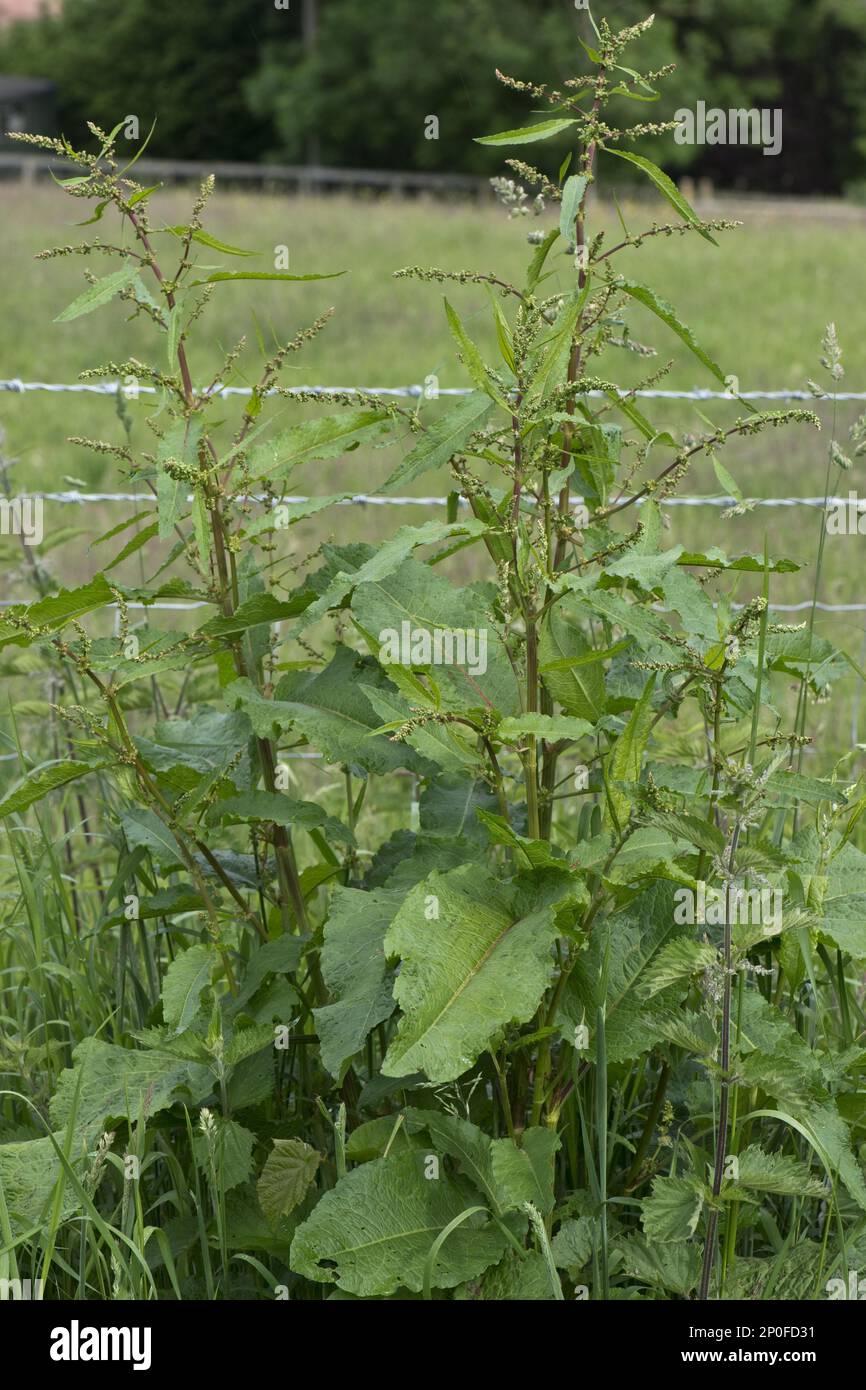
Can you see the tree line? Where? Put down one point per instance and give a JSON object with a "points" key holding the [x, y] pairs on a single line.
{"points": [[358, 85]]}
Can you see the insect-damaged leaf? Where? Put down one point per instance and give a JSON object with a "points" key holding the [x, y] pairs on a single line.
{"points": [[372, 1234]]}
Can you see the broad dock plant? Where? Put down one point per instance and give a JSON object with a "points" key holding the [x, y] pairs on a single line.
{"points": [[500, 1028]]}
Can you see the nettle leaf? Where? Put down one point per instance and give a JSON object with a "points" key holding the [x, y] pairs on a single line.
{"points": [[715, 558], [389, 557], [279, 809], [694, 1032], [289, 1171], [372, 1234], [573, 1243], [141, 826], [666, 187], [572, 195], [679, 960], [283, 515], [55, 612], [325, 437], [758, 1171], [185, 980], [625, 762], [674, 1266], [551, 359], [114, 1083], [39, 784], [672, 1210], [472, 359], [548, 726], [206, 239], [664, 311], [579, 685], [536, 265], [218, 275], [630, 940], [466, 972], [180, 443], [544, 130], [98, 294], [355, 972], [443, 439], [260, 608], [409, 607], [695, 831]]}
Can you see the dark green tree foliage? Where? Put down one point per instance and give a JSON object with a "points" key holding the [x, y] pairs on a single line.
{"points": [[232, 79], [182, 64]]}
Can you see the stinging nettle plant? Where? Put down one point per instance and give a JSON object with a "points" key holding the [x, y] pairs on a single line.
{"points": [[504, 1050]]}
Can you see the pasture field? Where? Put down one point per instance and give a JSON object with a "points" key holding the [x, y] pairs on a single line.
{"points": [[759, 304]]}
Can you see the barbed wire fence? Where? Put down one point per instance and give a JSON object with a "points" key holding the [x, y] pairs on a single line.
{"points": [[74, 497]]}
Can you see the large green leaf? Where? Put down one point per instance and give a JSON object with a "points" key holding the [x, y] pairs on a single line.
{"points": [[527, 134], [672, 1210], [389, 557], [184, 983], [109, 1082], [466, 972], [28, 1176], [280, 809], [372, 1234], [39, 784], [325, 437], [414, 599], [99, 293], [331, 709], [630, 940], [355, 972], [443, 439], [141, 826], [472, 359], [624, 764], [666, 187], [579, 688], [56, 611], [260, 608], [758, 1171], [572, 196]]}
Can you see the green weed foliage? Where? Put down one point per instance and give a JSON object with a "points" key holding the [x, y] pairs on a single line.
{"points": [[401, 934]]}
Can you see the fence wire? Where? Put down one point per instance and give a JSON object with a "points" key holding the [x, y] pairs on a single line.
{"points": [[111, 388]]}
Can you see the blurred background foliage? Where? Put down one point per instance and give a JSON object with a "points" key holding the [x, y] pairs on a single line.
{"points": [[350, 84]]}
